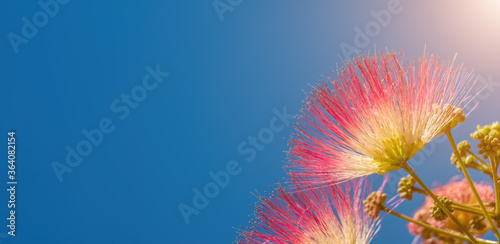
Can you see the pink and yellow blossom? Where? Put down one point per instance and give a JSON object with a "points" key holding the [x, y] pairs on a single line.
{"points": [[378, 113], [329, 214]]}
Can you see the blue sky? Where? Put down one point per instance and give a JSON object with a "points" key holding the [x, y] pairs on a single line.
{"points": [[123, 110]]}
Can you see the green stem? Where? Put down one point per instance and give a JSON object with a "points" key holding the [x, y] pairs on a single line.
{"points": [[439, 203], [477, 157], [458, 206], [487, 171], [488, 204], [418, 190], [469, 207], [440, 231], [467, 210], [481, 164], [471, 184], [494, 173]]}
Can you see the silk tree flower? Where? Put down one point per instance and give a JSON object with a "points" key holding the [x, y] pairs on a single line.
{"points": [[458, 192], [376, 116], [323, 215]]}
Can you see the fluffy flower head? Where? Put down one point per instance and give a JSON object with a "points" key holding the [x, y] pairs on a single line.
{"points": [[330, 214], [378, 113]]}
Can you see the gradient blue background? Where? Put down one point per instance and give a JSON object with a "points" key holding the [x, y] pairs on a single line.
{"points": [[225, 79]]}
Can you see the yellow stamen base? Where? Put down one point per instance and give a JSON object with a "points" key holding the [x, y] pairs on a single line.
{"points": [[396, 151]]}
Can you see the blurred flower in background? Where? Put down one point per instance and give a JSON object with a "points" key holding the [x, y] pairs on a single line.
{"points": [[461, 194]]}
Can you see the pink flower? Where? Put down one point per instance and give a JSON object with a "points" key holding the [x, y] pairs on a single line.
{"points": [[331, 214], [376, 116], [458, 192]]}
